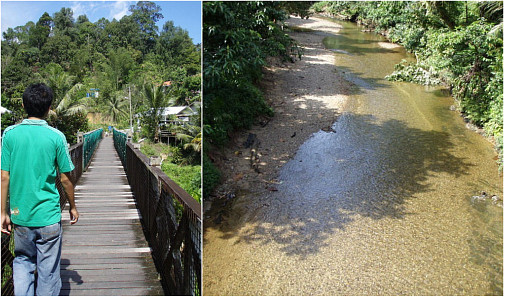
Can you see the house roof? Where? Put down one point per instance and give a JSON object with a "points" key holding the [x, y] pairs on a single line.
{"points": [[167, 83], [177, 110]]}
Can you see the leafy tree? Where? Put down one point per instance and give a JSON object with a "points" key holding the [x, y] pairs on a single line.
{"points": [[58, 80], [156, 101], [40, 33], [457, 44], [174, 44], [82, 19], [120, 63], [116, 107], [64, 19], [238, 36], [146, 14], [59, 49]]}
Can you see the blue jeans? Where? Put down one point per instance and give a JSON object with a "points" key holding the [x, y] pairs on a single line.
{"points": [[37, 248]]}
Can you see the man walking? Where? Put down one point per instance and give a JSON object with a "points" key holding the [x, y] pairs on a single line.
{"points": [[32, 154]]}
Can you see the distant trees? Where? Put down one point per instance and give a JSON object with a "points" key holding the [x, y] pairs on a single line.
{"points": [[90, 65], [458, 44]]}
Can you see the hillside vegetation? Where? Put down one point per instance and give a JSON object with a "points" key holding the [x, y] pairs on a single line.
{"points": [[457, 44], [94, 67]]}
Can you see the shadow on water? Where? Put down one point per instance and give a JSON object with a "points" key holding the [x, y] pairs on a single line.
{"points": [[356, 47], [365, 168], [361, 83]]}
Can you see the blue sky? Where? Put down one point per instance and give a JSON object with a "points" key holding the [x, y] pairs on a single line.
{"points": [[185, 14]]}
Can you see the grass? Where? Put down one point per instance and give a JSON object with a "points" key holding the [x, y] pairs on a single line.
{"points": [[187, 177]]}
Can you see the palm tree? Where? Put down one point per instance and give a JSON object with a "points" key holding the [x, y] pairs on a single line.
{"points": [[116, 106], [156, 100], [58, 80], [70, 105], [190, 136], [195, 144], [493, 10]]}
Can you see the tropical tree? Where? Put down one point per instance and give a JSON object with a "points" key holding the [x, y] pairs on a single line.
{"points": [[190, 136], [58, 80], [116, 107], [155, 100], [71, 104]]}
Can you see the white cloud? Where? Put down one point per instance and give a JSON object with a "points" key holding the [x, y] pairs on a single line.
{"points": [[78, 9], [87, 8], [119, 9]]}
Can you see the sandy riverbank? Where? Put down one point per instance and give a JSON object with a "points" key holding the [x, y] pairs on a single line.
{"points": [[306, 96]]}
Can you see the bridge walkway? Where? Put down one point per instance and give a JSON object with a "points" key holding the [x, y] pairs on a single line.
{"points": [[106, 253]]}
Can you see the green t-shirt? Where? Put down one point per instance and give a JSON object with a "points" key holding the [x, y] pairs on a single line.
{"points": [[31, 153]]}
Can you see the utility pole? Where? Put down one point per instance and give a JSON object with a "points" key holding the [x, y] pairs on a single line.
{"points": [[131, 119]]}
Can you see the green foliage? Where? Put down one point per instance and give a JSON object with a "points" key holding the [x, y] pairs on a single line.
{"points": [[70, 125], [417, 73], [211, 176], [73, 56], [150, 149], [298, 8], [238, 36], [457, 44], [187, 177], [156, 101], [232, 107], [175, 156]]}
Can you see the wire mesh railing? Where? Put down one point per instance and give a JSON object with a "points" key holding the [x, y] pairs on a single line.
{"points": [[171, 219], [90, 140], [120, 144], [77, 156]]}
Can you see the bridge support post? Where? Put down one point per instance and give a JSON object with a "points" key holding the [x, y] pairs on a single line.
{"points": [[129, 136], [80, 137], [155, 161]]}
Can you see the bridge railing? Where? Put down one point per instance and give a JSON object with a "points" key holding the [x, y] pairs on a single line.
{"points": [[171, 219], [91, 140], [77, 153], [120, 144]]}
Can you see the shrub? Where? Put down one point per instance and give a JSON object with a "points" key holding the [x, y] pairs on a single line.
{"points": [[211, 176], [187, 177]]}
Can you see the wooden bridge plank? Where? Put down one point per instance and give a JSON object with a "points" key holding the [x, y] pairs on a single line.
{"points": [[103, 260], [106, 253], [110, 292], [93, 276]]}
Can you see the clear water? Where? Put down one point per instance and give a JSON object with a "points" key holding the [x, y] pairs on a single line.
{"points": [[381, 206]]}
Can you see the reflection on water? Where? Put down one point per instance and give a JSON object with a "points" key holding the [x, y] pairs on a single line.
{"points": [[382, 204], [399, 153]]}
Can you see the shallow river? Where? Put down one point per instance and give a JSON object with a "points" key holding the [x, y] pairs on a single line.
{"points": [[384, 205]]}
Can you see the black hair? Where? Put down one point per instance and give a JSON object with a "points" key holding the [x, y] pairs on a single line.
{"points": [[37, 99]]}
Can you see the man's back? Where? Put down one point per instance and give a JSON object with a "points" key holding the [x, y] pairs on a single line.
{"points": [[31, 152]]}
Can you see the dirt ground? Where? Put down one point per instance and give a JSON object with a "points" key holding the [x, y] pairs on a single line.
{"points": [[304, 98]]}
